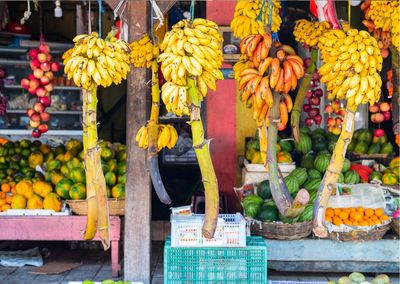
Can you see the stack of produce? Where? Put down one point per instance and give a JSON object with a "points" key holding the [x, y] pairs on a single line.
{"points": [[335, 117], [40, 83], [369, 141], [390, 176], [380, 112], [313, 96], [358, 278], [261, 207], [356, 216]]}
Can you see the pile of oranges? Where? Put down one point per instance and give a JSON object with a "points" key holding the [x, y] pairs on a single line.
{"points": [[356, 216], [6, 194]]}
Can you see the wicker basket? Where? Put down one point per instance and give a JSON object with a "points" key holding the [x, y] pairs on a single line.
{"points": [[360, 235], [116, 207], [396, 226], [281, 231]]}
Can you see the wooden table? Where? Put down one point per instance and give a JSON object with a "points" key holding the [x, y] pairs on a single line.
{"points": [[58, 228]]}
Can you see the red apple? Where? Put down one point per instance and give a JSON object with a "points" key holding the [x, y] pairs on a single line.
{"points": [[318, 119], [45, 101], [44, 80], [41, 92], [33, 53], [309, 94], [38, 73], [313, 112], [25, 83], [38, 107], [315, 101], [379, 117], [32, 91], [45, 66], [318, 92], [42, 57], [309, 121], [35, 117], [43, 128], [36, 133], [373, 118], [328, 109], [34, 64], [49, 75], [386, 115], [339, 120], [30, 112], [45, 116], [34, 124], [336, 105], [55, 67], [49, 57], [44, 48], [315, 76], [49, 87], [379, 132], [30, 77], [384, 107], [281, 127], [306, 107], [342, 112], [374, 108], [34, 83], [307, 62], [331, 121]]}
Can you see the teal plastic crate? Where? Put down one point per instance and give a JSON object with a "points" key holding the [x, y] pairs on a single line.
{"points": [[245, 265]]}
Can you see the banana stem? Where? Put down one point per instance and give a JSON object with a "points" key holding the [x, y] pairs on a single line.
{"points": [[332, 174], [280, 192], [262, 133], [98, 217], [200, 146], [301, 94], [396, 89], [152, 125]]}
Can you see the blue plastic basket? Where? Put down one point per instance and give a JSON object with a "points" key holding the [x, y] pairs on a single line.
{"points": [[216, 264]]}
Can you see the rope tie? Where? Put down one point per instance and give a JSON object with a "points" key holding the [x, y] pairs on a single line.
{"points": [[27, 14]]}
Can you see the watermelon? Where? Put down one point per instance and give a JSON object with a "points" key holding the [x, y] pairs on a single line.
{"points": [[305, 130], [357, 133], [319, 145], [365, 136], [264, 190], [292, 184], [252, 204], [374, 149], [313, 196], [300, 174], [307, 161], [267, 213], [319, 132], [321, 162], [352, 145], [305, 144], [387, 148], [346, 165], [307, 214], [286, 145], [340, 178], [361, 148], [375, 176], [312, 184], [288, 220], [331, 146], [332, 137], [313, 173], [351, 177]]}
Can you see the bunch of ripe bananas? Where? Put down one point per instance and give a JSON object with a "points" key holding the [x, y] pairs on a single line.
{"points": [[352, 62], [264, 74], [94, 61], [143, 52], [308, 32], [245, 20], [166, 137], [190, 49]]}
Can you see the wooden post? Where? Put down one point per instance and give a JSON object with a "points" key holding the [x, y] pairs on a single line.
{"points": [[137, 239]]}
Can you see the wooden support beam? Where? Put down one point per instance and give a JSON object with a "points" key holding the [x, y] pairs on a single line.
{"points": [[137, 239]]}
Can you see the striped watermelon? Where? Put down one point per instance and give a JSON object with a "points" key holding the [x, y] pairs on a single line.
{"points": [[305, 144], [300, 174], [321, 162]]}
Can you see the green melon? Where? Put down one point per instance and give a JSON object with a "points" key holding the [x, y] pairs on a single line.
{"points": [[264, 190], [292, 184], [307, 161], [300, 174], [387, 148], [365, 136], [268, 213], [374, 149], [319, 145], [312, 184], [305, 130], [313, 173], [346, 165], [352, 145], [307, 214], [351, 177], [63, 187], [340, 178], [321, 162], [361, 148], [286, 145], [305, 144]]}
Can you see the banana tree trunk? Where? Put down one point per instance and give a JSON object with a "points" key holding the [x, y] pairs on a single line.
{"points": [[200, 146], [262, 133], [98, 217], [280, 193], [152, 157], [332, 173], [396, 89], [301, 94]]}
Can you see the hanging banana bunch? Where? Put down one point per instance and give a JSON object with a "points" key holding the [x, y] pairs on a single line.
{"points": [[308, 33], [90, 63], [190, 61], [352, 61], [153, 136], [251, 15]]}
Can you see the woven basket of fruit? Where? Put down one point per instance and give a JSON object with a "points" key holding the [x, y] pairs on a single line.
{"points": [[282, 231], [360, 234], [116, 207]]}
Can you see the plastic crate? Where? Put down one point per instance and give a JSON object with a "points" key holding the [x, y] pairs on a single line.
{"points": [[216, 265], [186, 231]]}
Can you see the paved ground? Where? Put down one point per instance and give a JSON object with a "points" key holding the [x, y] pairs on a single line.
{"points": [[96, 266]]}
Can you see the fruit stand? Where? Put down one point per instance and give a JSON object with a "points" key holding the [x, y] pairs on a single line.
{"points": [[290, 117]]}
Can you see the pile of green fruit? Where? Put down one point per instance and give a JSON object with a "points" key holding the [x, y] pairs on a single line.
{"points": [[365, 141], [359, 278], [261, 207]]}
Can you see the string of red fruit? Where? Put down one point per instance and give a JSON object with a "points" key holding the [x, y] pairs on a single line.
{"points": [[313, 96], [40, 83]]}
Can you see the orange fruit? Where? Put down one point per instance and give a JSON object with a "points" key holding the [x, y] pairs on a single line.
{"points": [[369, 212], [5, 207], [2, 201], [378, 212], [358, 216], [328, 219], [2, 194], [337, 211], [355, 223], [5, 187], [337, 221], [348, 222], [384, 217], [329, 212], [377, 222], [360, 209], [352, 209], [9, 199], [13, 191], [371, 223], [344, 215], [363, 223]]}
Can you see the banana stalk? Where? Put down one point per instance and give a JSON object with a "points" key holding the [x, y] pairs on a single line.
{"points": [[396, 89], [152, 125], [200, 146], [332, 174], [262, 133], [280, 193], [98, 217], [298, 104]]}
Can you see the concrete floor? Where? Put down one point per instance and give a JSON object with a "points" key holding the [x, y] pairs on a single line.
{"points": [[96, 266]]}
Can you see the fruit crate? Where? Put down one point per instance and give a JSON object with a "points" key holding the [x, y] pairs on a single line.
{"points": [[216, 265], [186, 231]]}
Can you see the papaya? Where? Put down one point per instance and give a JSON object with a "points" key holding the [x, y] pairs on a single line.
{"points": [[250, 154], [121, 156], [257, 159], [112, 165], [55, 177], [74, 145], [111, 179], [45, 149], [78, 191], [73, 163], [18, 202], [106, 154], [122, 179], [64, 170], [118, 191], [35, 202], [52, 202], [60, 149], [24, 188], [53, 165], [387, 148], [390, 179], [63, 187], [42, 188], [77, 175], [284, 157], [376, 176], [35, 159], [395, 163], [380, 140]]}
